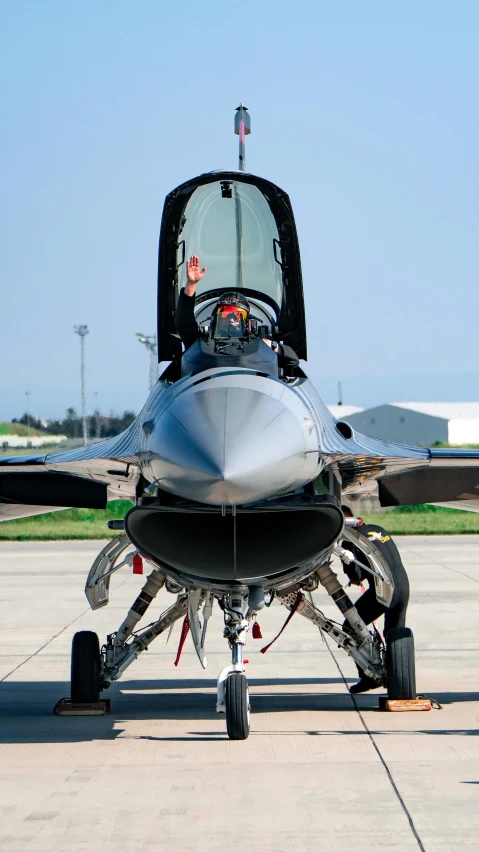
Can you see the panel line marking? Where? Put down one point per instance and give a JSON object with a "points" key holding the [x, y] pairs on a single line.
{"points": [[51, 639], [44, 646], [446, 567], [381, 758]]}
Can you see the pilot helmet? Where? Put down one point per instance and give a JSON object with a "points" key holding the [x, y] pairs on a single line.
{"points": [[230, 316]]}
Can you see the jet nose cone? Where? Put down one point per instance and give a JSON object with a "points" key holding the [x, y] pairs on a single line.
{"points": [[228, 445]]}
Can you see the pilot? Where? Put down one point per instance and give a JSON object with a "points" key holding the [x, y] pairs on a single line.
{"points": [[367, 605], [230, 317]]}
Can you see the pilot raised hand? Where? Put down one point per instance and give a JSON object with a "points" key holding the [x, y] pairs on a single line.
{"points": [[231, 315]]}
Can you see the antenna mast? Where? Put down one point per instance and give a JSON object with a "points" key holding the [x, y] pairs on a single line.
{"points": [[242, 129]]}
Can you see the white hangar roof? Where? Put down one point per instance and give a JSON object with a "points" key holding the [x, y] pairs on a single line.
{"points": [[341, 411], [445, 410]]}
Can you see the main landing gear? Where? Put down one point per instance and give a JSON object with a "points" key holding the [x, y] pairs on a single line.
{"points": [[85, 668], [400, 664], [93, 670]]}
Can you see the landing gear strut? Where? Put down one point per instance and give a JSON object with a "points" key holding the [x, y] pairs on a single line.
{"points": [[364, 647], [92, 670]]}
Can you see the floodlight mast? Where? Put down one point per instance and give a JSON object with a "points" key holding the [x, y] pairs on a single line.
{"points": [[242, 129], [97, 417], [27, 394], [149, 341], [82, 331]]}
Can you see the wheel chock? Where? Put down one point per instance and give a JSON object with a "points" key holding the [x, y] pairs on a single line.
{"points": [[65, 707], [404, 706]]}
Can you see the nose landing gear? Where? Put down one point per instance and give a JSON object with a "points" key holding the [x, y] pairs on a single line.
{"points": [[237, 706], [233, 693]]}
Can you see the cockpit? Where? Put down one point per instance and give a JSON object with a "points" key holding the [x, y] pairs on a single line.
{"points": [[242, 227], [229, 224]]}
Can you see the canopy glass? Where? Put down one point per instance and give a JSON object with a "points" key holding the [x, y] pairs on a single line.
{"points": [[242, 228], [231, 228]]}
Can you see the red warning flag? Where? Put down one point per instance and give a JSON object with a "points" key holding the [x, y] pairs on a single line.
{"points": [[185, 629], [293, 610]]}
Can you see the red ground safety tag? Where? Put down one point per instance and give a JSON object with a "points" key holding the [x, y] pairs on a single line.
{"points": [[256, 631], [185, 629], [293, 610], [137, 564]]}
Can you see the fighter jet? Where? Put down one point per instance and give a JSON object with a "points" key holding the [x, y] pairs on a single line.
{"points": [[235, 468]]}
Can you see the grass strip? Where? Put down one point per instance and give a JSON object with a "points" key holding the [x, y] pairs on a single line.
{"points": [[62, 526], [91, 523], [426, 523]]}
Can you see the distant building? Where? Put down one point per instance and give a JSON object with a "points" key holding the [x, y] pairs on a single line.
{"points": [[419, 423], [340, 412], [17, 442]]}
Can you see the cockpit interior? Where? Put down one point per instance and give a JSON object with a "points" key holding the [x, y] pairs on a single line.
{"points": [[242, 228]]}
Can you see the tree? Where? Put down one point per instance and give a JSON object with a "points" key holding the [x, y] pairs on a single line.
{"points": [[103, 427]]}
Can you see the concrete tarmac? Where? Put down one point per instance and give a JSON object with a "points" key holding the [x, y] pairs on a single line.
{"points": [[320, 769]]}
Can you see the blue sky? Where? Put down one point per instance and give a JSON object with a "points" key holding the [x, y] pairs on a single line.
{"points": [[366, 113]]}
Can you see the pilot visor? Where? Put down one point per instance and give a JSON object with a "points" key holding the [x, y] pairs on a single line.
{"points": [[231, 310]]}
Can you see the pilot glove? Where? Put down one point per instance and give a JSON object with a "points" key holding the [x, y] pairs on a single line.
{"points": [[353, 573]]}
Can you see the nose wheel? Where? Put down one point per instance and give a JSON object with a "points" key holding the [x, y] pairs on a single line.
{"points": [[237, 706], [233, 694]]}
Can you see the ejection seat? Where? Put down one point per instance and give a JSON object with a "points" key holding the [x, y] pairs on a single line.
{"points": [[251, 354]]}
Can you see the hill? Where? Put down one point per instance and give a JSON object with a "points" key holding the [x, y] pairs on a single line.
{"points": [[21, 430]]}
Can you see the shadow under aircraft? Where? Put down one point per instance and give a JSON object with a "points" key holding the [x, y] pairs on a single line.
{"points": [[235, 468]]}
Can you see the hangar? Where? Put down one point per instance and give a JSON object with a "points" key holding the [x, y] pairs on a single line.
{"points": [[421, 424], [343, 412]]}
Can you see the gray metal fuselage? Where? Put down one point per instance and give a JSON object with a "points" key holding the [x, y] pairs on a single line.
{"points": [[236, 447], [231, 437], [237, 457]]}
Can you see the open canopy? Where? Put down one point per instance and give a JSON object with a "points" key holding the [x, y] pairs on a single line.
{"points": [[242, 228]]}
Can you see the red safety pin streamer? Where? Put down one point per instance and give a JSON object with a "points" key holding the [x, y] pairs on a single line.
{"points": [[293, 610], [185, 629]]}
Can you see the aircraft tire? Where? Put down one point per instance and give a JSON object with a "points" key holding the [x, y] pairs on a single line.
{"points": [[400, 664], [85, 668], [237, 706]]}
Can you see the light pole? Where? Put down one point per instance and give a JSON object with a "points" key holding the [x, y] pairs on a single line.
{"points": [[150, 342], [27, 394], [97, 416], [82, 331]]}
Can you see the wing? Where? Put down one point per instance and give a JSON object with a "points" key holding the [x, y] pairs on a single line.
{"points": [[451, 478], [403, 475], [87, 477], [407, 475]]}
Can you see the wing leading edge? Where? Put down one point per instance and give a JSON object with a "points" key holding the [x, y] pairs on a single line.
{"points": [[87, 477]]}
